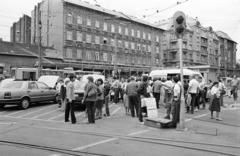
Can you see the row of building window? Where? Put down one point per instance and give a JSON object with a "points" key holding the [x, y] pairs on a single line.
{"points": [[112, 42], [95, 56], [112, 27]]}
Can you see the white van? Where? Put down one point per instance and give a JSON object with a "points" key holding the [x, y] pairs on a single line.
{"points": [[173, 72]]}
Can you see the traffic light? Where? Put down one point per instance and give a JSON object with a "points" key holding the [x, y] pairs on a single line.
{"points": [[179, 22]]}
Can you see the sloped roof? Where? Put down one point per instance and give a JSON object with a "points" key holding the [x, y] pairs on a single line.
{"points": [[19, 49], [224, 35], [111, 12]]}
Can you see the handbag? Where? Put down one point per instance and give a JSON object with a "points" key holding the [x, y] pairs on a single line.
{"points": [[92, 92]]}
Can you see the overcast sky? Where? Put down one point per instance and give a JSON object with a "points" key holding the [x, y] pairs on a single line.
{"points": [[222, 15]]}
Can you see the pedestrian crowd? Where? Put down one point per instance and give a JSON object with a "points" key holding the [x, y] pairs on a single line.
{"points": [[133, 91]]}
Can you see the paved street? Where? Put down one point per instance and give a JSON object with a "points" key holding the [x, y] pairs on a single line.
{"points": [[42, 128]]}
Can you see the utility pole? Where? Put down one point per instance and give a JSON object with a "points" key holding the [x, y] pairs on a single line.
{"points": [[180, 26], [39, 27]]}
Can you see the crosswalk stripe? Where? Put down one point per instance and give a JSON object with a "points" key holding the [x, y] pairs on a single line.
{"points": [[35, 117], [15, 112], [55, 117], [30, 113]]}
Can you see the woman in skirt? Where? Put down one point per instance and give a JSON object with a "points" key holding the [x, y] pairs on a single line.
{"points": [[215, 101]]}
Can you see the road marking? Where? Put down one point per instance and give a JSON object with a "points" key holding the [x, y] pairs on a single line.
{"points": [[30, 113], [15, 112], [106, 141], [31, 119], [94, 144], [138, 132], [55, 117], [116, 110], [7, 123], [35, 117]]}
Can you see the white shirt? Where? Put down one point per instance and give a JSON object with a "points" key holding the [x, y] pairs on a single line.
{"points": [[215, 90], [221, 86], [176, 90], [169, 83], [193, 86], [70, 91]]}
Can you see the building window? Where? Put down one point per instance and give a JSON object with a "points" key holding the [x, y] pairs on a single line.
{"points": [[112, 42], [97, 24], [144, 47], [88, 55], [88, 22], [105, 57], [79, 20], [97, 58], [138, 34], [119, 29], [69, 53], [132, 45], [126, 44], [105, 26], [126, 31], [132, 32], [149, 36], [144, 35], [69, 18], [157, 49], [157, 38], [97, 39], [120, 43], [79, 53], [69, 35], [157, 61], [138, 46], [105, 40], [88, 38], [112, 28], [79, 36], [149, 48]]}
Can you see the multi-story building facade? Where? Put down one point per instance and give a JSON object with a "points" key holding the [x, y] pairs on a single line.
{"points": [[201, 48], [93, 38], [227, 54], [21, 30]]}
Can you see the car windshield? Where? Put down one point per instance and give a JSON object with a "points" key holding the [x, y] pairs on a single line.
{"points": [[13, 85]]}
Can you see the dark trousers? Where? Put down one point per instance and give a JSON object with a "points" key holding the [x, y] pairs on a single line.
{"points": [[106, 102], [116, 95], [157, 98], [70, 108], [197, 103], [203, 98], [140, 117], [193, 101], [175, 112], [90, 111], [133, 104]]}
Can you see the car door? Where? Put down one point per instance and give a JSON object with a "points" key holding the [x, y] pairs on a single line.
{"points": [[33, 92], [47, 92]]}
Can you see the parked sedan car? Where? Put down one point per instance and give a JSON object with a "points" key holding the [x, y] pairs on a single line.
{"points": [[23, 93]]}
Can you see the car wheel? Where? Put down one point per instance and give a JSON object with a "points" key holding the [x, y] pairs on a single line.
{"points": [[25, 103]]}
